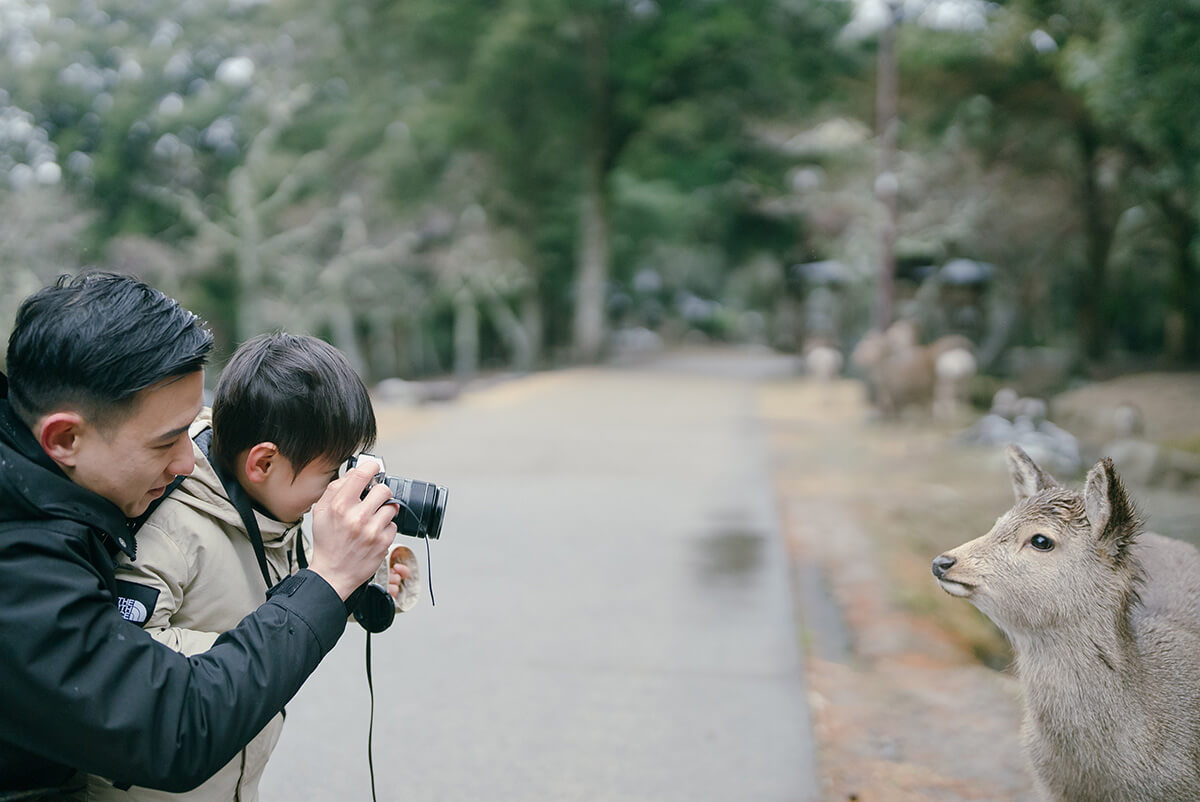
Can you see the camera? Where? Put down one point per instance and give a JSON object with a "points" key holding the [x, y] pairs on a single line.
{"points": [[421, 504]]}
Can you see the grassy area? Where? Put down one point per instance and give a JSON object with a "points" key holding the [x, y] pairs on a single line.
{"points": [[1189, 444]]}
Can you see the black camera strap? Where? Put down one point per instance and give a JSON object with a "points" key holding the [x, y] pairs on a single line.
{"points": [[241, 502], [371, 720]]}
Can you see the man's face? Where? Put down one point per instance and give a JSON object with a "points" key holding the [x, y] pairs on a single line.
{"points": [[132, 462]]}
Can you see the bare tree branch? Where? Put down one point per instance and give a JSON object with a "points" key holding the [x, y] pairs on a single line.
{"points": [[310, 164], [192, 210], [280, 112], [285, 241]]}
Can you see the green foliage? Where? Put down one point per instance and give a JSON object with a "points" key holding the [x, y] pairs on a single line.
{"points": [[1059, 142]]}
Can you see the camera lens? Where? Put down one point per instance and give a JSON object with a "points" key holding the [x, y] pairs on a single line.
{"points": [[424, 505]]}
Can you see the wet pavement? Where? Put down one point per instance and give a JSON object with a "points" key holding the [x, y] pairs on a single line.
{"points": [[614, 617]]}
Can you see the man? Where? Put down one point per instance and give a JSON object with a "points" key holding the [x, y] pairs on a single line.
{"points": [[105, 376]]}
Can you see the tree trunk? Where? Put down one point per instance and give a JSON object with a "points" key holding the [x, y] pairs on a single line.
{"points": [[1094, 325], [1183, 303], [508, 325], [384, 356], [250, 309], [341, 324], [592, 278], [415, 335], [886, 183], [593, 267], [466, 335], [532, 321]]}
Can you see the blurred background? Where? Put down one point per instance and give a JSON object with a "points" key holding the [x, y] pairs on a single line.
{"points": [[894, 236], [454, 187]]}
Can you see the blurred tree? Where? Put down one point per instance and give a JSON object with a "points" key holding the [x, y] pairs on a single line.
{"points": [[238, 224], [1102, 95], [525, 172], [1148, 80], [557, 92], [40, 231], [1017, 96], [242, 133], [142, 96], [887, 190]]}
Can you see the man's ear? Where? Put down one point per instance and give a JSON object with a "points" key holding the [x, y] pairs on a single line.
{"points": [[260, 460], [59, 434]]}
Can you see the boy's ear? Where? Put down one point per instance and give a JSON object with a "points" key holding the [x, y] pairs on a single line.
{"points": [[60, 435], [260, 461]]}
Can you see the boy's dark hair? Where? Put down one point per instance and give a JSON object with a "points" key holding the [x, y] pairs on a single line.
{"points": [[295, 391], [92, 342]]}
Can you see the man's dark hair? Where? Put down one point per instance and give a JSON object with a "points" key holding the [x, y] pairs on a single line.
{"points": [[92, 342], [295, 391]]}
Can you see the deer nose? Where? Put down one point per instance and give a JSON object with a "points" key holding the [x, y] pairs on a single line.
{"points": [[942, 564]]}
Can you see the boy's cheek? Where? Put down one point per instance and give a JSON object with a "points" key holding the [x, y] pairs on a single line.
{"points": [[315, 495]]}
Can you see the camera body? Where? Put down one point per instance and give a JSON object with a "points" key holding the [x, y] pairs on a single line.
{"points": [[420, 509], [421, 505]]}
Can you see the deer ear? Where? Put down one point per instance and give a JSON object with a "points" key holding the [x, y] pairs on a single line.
{"points": [[1107, 505], [1027, 478]]}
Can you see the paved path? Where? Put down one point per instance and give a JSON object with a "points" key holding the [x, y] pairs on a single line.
{"points": [[614, 619]]}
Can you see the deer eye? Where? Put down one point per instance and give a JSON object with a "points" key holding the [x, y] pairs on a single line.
{"points": [[1041, 542]]}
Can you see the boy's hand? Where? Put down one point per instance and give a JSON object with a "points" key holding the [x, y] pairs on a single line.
{"points": [[404, 577], [398, 571], [351, 535]]}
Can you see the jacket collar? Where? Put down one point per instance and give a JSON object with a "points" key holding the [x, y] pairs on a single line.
{"points": [[34, 488]]}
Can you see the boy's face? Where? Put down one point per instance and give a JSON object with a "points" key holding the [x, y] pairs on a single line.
{"points": [[288, 494], [132, 462]]}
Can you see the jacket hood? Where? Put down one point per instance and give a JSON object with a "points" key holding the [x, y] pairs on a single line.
{"points": [[203, 491], [34, 488]]}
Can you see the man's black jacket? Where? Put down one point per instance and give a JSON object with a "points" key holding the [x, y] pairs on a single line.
{"points": [[83, 689]]}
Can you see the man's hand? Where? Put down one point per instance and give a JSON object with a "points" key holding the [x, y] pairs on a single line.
{"points": [[351, 536]]}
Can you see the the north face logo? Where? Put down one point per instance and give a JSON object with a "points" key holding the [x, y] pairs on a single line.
{"points": [[132, 610], [135, 601]]}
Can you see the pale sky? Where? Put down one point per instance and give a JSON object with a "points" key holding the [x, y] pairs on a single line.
{"points": [[869, 15]]}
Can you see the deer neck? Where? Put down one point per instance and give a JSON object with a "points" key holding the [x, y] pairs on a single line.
{"points": [[1088, 667]]}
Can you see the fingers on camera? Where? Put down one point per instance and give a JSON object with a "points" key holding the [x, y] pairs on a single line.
{"points": [[366, 468], [379, 495], [381, 512], [355, 480]]}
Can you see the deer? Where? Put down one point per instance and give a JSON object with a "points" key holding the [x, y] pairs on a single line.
{"points": [[1104, 621]]}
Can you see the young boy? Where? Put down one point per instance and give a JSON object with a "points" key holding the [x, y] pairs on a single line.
{"points": [[287, 412]]}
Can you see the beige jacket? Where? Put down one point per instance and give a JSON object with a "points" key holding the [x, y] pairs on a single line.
{"points": [[195, 553]]}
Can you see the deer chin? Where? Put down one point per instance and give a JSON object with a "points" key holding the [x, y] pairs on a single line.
{"points": [[959, 589]]}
